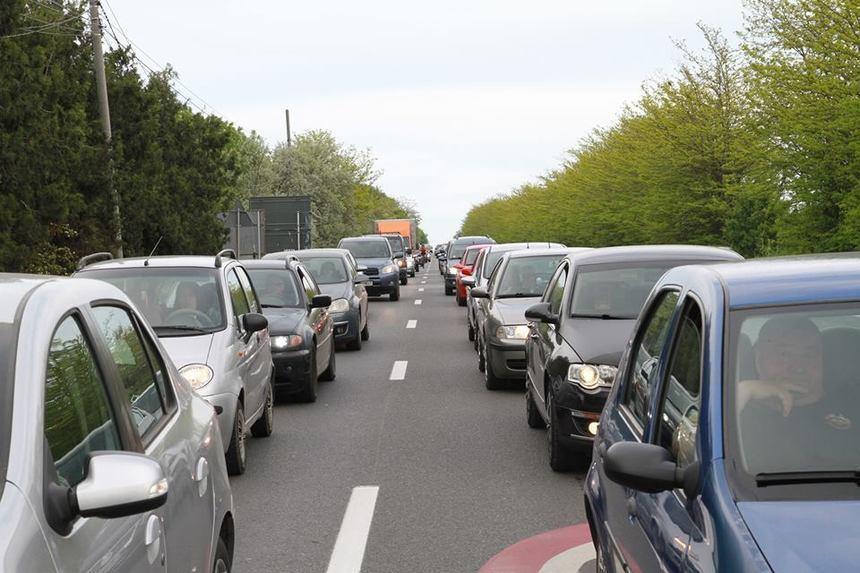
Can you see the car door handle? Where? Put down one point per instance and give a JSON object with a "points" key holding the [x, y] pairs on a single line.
{"points": [[201, 476], [153, 541], [631, 507]]}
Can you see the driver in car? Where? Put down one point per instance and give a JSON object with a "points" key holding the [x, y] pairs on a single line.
{"points": [[328, 272]]}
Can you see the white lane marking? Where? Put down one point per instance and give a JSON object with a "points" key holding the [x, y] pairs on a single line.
{"points": [[420, 289], [572, 559], [398, 371], [348, 552], [418, 301], [411, 324]]}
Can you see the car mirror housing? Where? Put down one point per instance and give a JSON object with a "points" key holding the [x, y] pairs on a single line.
{"points": [[479, 292], [321, 301], [254, 322], [361, 278], [648, 468], [119, 484], [540, 312], [469, 281]]}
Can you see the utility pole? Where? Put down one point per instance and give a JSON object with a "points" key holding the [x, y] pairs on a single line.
{"points": [[104, 113], [289, 133]]}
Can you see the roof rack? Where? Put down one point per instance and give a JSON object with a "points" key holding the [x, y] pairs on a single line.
{"points": [[224, 253], [94, 258]]}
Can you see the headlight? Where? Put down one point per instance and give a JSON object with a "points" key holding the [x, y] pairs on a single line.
{"points": [[198, 375], [591, 376], [452, 271], [401, 262], [339, 305], [284, 342], [515, 332], [389, 269]]}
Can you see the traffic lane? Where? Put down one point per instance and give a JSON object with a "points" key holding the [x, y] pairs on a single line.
{"points": [[463, 476], [291, 500]]}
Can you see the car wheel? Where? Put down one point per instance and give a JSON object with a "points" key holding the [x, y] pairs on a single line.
{"points": [[461, 301], [561, 459], [365, 332], [491, 381], [262, 428], [471, 333], [533, 417], [448, 291], [223, 562], [235, 455], [395, 295], [355, 343], [329, 374], [309, 389]]}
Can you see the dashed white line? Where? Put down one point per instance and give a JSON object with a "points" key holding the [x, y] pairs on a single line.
{"points": [[418, 301], [398, 371], [420, 289], [412, 324], [348, 552]]}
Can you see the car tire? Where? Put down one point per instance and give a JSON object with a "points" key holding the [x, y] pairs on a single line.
{"points": [[533, 417], [309, 389], [491, 381], [223, 561], [262, 428], [404, 281], [471, 333], [461, 301], [448, 290], [235, 455], [365, 332], [395, 295], [355, 343], [479, 349], [561, 459], [329, 374]]}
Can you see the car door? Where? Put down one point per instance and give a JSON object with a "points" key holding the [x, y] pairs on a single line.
{"points": [[358, 289], [320, 320], [168, 434], [542, 336], [82, 414], [259, 349], [241, 340], [628, 420]]}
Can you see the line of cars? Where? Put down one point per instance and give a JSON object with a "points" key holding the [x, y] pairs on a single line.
{"points": [[713, 401]]}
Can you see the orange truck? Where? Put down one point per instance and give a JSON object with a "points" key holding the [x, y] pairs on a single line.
{"points": [[406, 228]]}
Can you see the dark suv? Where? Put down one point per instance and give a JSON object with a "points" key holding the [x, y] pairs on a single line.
{"points": [[376, 260], [399, 250], [455, 251]]}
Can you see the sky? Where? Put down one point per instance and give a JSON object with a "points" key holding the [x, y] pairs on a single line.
{"points": [[458, 101]]}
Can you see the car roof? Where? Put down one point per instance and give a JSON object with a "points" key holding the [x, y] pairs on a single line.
{"points": [[287, 263], [786, 280], [471, 239], [315, 253], [365, 238], [14, 290], [518, 246], [525, 253], [634, 253], [161, 261]]}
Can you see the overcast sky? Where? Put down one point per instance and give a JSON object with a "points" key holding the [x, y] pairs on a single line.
{"points": [[457, 100]]}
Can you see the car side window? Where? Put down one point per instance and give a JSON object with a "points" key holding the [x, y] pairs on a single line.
{"points": [[237, 294], [253, 303], [311, 289], [556, 292], [646, 352], [140, 377], [78, 414], [679, 405]]}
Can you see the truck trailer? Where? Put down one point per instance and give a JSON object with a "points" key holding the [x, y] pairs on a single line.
{"points": [[406, 228]]}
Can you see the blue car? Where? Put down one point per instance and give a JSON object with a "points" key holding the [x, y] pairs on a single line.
{"points": [[730, 439]]}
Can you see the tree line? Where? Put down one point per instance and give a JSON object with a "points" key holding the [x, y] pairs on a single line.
{"points": [[175, 168], [755, 147]]}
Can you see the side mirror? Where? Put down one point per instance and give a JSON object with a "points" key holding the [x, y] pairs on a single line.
{"points": [[254, 322], [119, 484], [468, 280], [540, 313], [479, 292], [321, 301], [361, 268], [361, 278], [648, 468]]}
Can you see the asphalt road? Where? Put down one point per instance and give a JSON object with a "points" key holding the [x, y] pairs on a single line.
{"points": [[460, 476]]}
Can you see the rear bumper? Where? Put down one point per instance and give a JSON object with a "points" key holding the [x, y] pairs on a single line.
{"points": [[291, 369], [383, 284], [346, 326], [508, 361]]}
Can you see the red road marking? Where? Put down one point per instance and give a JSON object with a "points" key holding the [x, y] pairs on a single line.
{"points": [[529, 555]]}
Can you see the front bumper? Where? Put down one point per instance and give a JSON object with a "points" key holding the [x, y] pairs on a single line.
{"points": [[226, 404], [383, 284], [346, 325], [576, 410], [291, 369], [508, 359]]}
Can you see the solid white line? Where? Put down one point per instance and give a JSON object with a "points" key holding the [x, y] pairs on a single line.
{"points": [[348, 552], [417, 301], [420, 289], [398, 371], [412, 324]]}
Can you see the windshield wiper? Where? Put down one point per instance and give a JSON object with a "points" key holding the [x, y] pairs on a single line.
{"points": [[601, 316], [518, 295], [787, 478], [158, 329]]}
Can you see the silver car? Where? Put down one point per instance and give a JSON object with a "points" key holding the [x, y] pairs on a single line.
{"points": [[208, 317], [108, 460]]}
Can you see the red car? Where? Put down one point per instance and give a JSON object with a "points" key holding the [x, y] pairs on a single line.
{"points": [[464, 269]]}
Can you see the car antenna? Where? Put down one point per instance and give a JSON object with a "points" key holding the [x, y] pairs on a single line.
{"points": [[155, 248]]}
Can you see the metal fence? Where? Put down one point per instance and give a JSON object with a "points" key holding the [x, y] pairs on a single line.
{"points": [[246, 232]]}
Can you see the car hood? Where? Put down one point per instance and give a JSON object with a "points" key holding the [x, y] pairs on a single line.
{"points": [[338, 290], [805, 535], [284, 320], [184, 350], [376, 263], [513, 310], [597, 341]]}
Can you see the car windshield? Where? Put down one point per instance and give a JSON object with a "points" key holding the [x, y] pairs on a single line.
{"points": [[326, 270], [396, 245], [367, 249], [175, 301], [526, 276], [275, 287], [457, 249], [613, 291], [493, 257], [471, 256], [794, 398]]}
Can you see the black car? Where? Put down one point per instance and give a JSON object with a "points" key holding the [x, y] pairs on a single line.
{"points": [[301, 329], [578, 332], [376, 260], [399, 252], [452, 256]]}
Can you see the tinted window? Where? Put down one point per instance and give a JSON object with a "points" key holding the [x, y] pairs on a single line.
{"points": [[170, 297], [457, 249], [311, 290], [367, 248], [646, 353], [526, 276], [237, 294], [249, 290], [471, 256], [131, 359], [396, 246], [679, 408], [276, 287], [78, 417], [618, 292], [557, 292], [492, 258], [326, 270]]}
